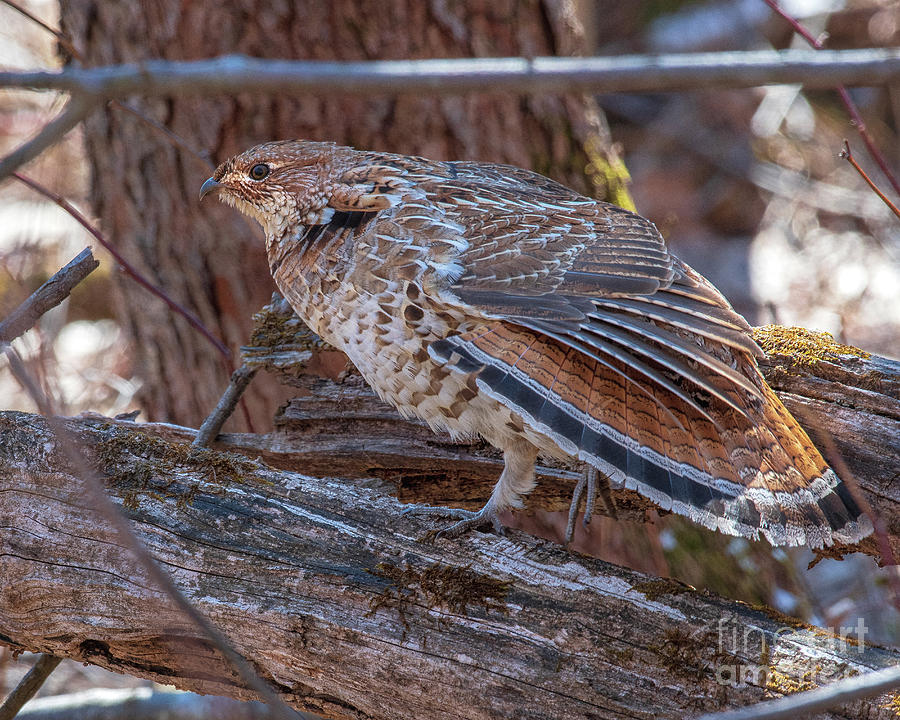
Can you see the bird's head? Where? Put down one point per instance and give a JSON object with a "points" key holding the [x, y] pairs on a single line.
{"points": [[280, 184]]}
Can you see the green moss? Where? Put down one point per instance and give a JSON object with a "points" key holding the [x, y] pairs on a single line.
{"points": [[438, 586], [805, 347], [610, 178], [138, 464]]}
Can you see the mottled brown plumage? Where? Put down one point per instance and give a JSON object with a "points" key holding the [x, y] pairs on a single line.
{"points": [[490, 300]]}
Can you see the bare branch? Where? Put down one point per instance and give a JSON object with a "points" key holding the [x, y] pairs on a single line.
{"points": [[628, 73], [874, 152], [75, 111], [240, 379], [69, 46], [29, 685], [47, 296], [847, 155], [823, 698], [60, 36], [325, 587]]}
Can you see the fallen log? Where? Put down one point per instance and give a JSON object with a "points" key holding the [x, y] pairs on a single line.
{"points": [[341, 605]]}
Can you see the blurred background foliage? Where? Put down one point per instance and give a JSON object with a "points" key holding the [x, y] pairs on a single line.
{"points": [[746, 185]]}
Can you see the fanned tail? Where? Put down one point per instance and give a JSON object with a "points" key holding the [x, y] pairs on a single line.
{"points": [[729, 459]]}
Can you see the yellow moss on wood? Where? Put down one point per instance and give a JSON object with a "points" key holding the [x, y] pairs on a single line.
{"points": [[893, 704], [609, 176], [780, 682], [805, 347], [779, 616]]}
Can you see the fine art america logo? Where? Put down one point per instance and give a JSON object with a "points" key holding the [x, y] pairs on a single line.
{"points": [[738, 644]]}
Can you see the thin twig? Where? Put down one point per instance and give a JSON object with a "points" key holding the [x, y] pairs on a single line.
{"points": [[129, 269], [28, 686], [75, 111], [800, 704], [848, 156], [98, 498], [855, 115], [60, 36], [626, 73], [47, 296], [240, 379]]}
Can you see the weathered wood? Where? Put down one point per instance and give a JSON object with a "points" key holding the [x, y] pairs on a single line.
{"points": [[335, 598], [47, 296]]}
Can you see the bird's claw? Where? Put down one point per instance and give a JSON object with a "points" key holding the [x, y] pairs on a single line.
{"points": [[593, 482], [467, 519]]}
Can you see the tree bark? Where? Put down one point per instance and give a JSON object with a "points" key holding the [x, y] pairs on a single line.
{"points": [[339, 603], [144, 190]]}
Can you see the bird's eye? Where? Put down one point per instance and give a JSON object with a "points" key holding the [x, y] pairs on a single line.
{"points": [[259, 171]]}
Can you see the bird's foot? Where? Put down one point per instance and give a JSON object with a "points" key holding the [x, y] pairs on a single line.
{"points": [[467, 519], [594, 481]]}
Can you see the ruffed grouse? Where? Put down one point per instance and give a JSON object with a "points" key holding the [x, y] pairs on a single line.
{"points": [[489, 300]]}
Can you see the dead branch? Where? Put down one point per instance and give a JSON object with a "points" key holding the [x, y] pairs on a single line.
{"points": [[848, 401], [853, 111], [29, 685], [47, 296], [76, 110], [624, 73], [342, 607]]}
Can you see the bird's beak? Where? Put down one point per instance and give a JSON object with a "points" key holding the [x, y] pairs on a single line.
{"points": [[210, 186]]}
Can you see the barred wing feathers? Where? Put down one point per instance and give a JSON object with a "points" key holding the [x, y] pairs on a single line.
{"points": [[628, 359]]}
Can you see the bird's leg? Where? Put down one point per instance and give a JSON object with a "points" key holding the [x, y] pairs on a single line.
{"points": [[516, 479], [573, 506], [596, 483]]}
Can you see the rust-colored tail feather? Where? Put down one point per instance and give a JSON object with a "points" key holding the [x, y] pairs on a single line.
{"points": [[749, 471]]}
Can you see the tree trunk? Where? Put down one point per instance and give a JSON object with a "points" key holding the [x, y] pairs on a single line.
{"points": [[334, 598], [144, 190]]}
